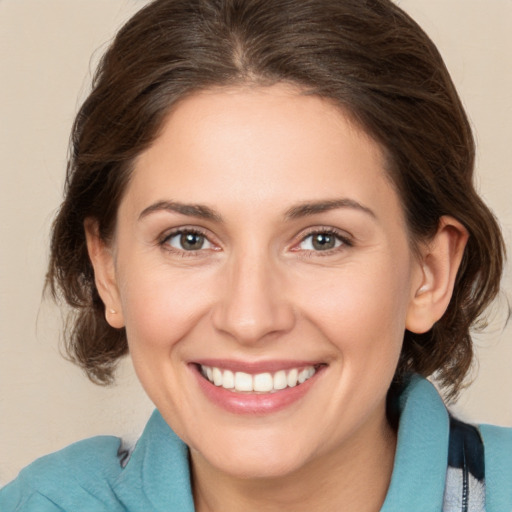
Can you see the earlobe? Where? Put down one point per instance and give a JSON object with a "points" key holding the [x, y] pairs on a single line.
{"points": [[102, 261], [440, 261]]}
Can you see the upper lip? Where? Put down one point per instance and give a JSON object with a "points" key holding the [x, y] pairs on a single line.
{"points": [[254, 367]]}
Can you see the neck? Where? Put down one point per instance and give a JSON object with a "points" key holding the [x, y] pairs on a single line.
{"points": [[354, 478]]}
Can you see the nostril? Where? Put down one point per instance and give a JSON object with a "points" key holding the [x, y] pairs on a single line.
{"points": [[252, 323]]}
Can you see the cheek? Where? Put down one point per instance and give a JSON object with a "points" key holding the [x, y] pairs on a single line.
{"points": [[161, 306], [360, 308]]}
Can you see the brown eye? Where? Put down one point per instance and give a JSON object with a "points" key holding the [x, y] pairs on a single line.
{"points": [[188, 241], [191, 241], [321, 241]]}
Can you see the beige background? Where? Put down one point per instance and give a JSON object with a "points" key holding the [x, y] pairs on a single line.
{"points": [[45, 68]]}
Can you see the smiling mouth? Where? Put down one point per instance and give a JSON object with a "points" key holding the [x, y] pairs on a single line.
{"points": [[266, 382]]}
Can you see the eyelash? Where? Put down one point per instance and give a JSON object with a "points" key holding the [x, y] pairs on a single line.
{"points": [[163, 242], [343, 238]]}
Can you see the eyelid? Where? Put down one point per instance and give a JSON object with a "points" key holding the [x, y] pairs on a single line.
{"points": [[346, 239], [167, 235], [179, 230]]}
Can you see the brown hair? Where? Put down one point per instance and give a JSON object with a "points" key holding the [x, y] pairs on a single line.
{"points": [[367, 55]]}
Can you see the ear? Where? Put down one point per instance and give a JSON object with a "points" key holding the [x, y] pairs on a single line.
{"points": [[440, 260], [103, 263]]}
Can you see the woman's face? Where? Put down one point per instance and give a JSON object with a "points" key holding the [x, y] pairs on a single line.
{"points": [[259, 244]]}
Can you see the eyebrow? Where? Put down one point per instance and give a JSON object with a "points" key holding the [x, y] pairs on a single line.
{"points": [[191, 210], [296, 212], [312, 208]]}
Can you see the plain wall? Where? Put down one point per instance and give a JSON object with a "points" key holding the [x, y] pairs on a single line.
{"points": [[45, 70]]}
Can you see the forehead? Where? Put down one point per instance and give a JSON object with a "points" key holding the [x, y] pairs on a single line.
{"points": [[271, 145]]}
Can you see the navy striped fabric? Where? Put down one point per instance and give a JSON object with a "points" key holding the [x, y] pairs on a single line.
{"points": [[465, 477]]}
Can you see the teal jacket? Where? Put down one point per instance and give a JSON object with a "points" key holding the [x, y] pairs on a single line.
{"points": [[88, 476]]}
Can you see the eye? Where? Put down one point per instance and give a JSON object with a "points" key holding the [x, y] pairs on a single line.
{"points": [[188, 240], [322, 241]]}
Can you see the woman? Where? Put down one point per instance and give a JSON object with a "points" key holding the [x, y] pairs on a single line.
{"points": [[270, 206]]}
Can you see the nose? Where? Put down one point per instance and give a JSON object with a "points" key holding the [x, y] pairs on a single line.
{"points": [[252, 304]]}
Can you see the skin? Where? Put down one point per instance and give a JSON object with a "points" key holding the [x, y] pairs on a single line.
{"points": [[258, 290]]}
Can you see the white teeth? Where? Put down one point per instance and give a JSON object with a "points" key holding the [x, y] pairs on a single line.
{"points": [[303, 375], [292, 378], [217, 377], [260, 382], [280, 380], [243, 381], [263, 382], [228, 380]]}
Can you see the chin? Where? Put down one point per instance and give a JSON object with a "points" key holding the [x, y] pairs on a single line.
{"points": [[257, 467], [254, 459]]}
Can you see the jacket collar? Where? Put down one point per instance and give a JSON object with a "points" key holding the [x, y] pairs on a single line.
{"points": [[157, 476], [419, 471]]}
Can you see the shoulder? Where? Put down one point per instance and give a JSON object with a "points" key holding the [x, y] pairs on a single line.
{"points": [[78, 477], [498, 466], [98, 475]]}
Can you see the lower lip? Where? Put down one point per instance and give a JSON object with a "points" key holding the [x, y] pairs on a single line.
{"points": [[255, 404]]}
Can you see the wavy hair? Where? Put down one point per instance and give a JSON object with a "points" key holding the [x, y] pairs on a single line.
{"points": [[368, 56]]}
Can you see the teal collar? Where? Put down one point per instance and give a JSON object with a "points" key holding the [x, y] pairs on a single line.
{"points": [[421, 457], [158, 471], [157, 476]]}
